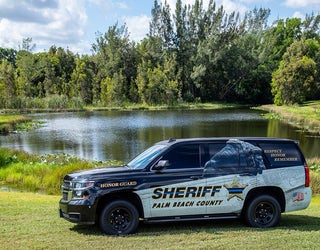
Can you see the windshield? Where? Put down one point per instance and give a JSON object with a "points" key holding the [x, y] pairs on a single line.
{"points": [[143, 159]]}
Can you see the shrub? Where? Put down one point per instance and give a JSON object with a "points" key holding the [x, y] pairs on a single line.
{"points": [[57, 102], [43, 173], [314, 164], [315, 182], [35, 103]]}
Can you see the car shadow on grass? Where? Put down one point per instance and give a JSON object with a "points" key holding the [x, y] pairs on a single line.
{"points": [[300, 222], [170, 227], [292, 222], [211, 226], [86, 229]]}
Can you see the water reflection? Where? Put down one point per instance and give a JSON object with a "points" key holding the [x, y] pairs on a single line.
{"points": [[122, 135]]}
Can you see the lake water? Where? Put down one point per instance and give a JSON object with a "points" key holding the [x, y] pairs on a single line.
{"points": [[121, 135]]}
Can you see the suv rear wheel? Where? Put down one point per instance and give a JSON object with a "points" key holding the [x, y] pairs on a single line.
{"points": [[119, 218], [263, 211]]}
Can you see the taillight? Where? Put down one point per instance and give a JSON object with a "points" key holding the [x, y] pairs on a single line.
{"points": [[307, 176]]}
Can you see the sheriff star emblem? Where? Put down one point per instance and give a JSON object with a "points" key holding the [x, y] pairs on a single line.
{"points": [[235, 189]]}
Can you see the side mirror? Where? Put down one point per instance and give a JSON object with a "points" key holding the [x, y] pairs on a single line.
{"points": [[161, 165]]}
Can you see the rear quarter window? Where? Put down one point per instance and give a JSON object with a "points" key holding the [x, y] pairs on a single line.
{"points": [[282, 154]]}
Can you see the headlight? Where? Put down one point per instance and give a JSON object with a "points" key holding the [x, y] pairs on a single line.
{"points": [[80, 189]]}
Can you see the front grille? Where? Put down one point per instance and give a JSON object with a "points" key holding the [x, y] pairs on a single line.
{"points": [[65, 196]]}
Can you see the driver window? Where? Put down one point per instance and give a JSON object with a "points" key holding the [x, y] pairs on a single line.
{"points": [[183, 156]]}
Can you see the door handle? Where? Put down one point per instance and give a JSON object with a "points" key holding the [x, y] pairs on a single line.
{"points": [[247, 174], [195, 177]]}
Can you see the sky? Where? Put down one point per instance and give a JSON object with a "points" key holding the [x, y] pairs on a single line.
{"points": [[75, 24]]}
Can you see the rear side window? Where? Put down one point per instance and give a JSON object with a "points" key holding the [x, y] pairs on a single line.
{"points": [[234, 157], [282, 154], [225, 156]]}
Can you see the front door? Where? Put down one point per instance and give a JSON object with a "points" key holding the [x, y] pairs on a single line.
{"points": [[176, 190]]}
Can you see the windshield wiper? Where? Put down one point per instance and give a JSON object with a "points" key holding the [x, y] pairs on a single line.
{"points": [[126, 166]]}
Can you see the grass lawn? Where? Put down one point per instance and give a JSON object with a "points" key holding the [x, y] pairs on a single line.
{"points": [[31, 221]]}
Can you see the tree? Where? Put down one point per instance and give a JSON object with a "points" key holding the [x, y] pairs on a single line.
{"points": [[67, 64], [157, 85], [215, 62], [115, 55], [111, 90], [9, 54], [295, 80], [25, 72], [7, 82], [251, 62], [161, 24], [81, 80], [282, 35], [195, 29], [27, 44], [311, 27], [52, 82], [142, 79]]}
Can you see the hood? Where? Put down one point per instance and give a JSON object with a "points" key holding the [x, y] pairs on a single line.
{"points": [[100, 173]]}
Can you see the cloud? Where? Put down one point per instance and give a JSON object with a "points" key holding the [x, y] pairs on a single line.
{"points": [[27, 11], [228, 5], [53, 22], [138, 26], [233, 6], [298, 14], [109, 4], [302, 4]]}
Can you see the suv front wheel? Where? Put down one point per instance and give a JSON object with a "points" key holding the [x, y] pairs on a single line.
{"points": [[119, 218], [263, 211]]}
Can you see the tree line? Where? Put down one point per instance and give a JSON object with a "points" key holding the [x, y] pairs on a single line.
{"points": [[195, 54]]}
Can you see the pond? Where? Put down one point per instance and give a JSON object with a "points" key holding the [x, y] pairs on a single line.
{"points": [[120, 135]]}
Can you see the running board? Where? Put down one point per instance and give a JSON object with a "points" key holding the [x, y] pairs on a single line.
{"points": [[192, 218]]}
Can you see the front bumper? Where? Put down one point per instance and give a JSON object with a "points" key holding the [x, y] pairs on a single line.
{"points": [[78, 211]]}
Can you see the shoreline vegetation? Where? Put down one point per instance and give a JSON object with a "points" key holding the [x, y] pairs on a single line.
{"points": [[43, 173], [124, 106], [306, 116], [9, 122]]}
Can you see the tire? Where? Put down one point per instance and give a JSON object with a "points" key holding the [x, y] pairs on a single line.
{"points": [[119, 218], [263, 212]]}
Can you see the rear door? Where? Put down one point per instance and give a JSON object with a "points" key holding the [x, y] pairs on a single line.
{"points": [[233, 171]]}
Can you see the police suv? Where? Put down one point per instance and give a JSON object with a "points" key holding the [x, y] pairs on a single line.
{"points": [[192, 179]]}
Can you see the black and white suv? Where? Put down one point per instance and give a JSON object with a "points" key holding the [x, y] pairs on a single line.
{"points": [[192, 179]]}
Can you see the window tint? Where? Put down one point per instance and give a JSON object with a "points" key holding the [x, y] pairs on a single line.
{"points": [[282, 154], [215, 148], [184, 156], [235, 156], [223, 156], [209, 150]]}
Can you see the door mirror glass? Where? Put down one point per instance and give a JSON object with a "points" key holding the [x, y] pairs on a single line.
{"points": [[161, 165]]}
